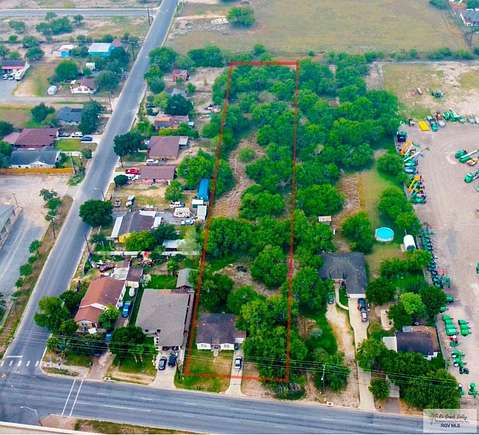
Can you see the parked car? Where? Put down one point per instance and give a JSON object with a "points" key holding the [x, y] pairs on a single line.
{"points": [[117, 202], [77, 134], [238, 363], [130, 200], [172, 359], [362, 304], [132, 171], [108, 337], [63, 133], [152, 162], [364, 315], [176, 204], [162, 363], [331, 298], [125, 311], [86, 139]]}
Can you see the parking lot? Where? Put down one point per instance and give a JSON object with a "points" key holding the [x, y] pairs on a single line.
{"points": [[30, 226], [451, 211]]}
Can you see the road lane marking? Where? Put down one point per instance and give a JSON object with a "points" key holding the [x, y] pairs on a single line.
{"points": [[19, 363], [2, 363], [76, 397], [36, 363], [68, 397], [11, 362], [28, 363], [14, 356]]}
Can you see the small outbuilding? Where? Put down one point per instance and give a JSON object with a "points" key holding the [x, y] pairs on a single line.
{"points": [[409, 243]]}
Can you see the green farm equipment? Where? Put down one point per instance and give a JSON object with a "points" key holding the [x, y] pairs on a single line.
{"points": [[466, 157], [437, 94], [473, 390], [460, 153], [461, 390], [449, 298], [471, 176]]}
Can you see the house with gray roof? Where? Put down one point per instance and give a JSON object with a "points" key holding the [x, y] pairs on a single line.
{"points": [[165, 315], [348, 269], [36, 158], [69, 115], [134, 221], [183, 282], [217, 331], [420, 339]]}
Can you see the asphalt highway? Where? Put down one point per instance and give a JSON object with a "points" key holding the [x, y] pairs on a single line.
{"points": [[25, 399], [61, 264], [90, 12]]}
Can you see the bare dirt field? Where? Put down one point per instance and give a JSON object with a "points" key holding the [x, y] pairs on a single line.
{"points": [[34, 4], [386, 25], [458, 80], [451, 211]]}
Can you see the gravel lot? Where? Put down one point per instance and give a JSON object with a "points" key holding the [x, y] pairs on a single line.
{"points": [[451, 213], [30, 226]]}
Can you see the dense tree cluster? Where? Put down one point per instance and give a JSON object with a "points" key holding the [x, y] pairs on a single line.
{"points": [[396, 208], [422, 383]]}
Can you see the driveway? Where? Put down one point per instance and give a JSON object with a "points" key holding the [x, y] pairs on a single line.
{"points": [[164, 378], [366, 399], [236, 375], [30, 226]]}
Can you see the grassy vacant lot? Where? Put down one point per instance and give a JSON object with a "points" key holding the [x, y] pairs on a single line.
{"points": [[458, 80], [101, 426], [162, 281], [297, 26], [35, 82], [19, 116], [203, 361], [74, 145]]}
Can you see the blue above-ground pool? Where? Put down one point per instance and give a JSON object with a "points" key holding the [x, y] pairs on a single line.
{"points": [[384, 234]]}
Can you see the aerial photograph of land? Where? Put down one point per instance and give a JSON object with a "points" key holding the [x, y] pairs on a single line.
{"points": [[239, 216]]}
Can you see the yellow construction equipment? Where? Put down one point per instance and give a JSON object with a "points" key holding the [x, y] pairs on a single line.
{"points": [[423, 126], [406, 146], [415, 180]]}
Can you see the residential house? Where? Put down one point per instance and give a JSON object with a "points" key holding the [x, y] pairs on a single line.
{"points": [[348, 269], [166, 316], [183, 282], [69, 115], [161, 174], [470, 17], [39, 158], [180, 74], [170, 121], [131, 275], [86, 85], [134, 221], [64, 51], [165, 147], [177, 247], [102, 292], [421, 339], [217, 331], [33, 137], [8, 216], [100, 49]]}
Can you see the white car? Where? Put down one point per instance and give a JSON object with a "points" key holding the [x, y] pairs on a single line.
{"points": [[238, 363], [77, 134]]}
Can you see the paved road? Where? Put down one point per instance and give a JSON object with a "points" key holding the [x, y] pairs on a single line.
{"points": [[93, 12], [26, 399], [62, 262]]}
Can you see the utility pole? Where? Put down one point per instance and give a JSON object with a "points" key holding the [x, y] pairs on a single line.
{"points": [[87, 245], [149, 17]]}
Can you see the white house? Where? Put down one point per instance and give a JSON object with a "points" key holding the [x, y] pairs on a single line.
{"points": [[217, 331]]}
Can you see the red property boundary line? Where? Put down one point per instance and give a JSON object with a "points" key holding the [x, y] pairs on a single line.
{"points": [[202, 265]]}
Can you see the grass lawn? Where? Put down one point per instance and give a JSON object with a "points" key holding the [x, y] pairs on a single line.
{"points": [[387, 25], [19, 116], [129, 365], [77, 360], [68, 144], [381, 251], [135, 26], [162, 281], [136, 305], [202, 361], [135, 157]]}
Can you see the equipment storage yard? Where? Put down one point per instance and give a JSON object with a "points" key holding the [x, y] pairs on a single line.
{"points": [[452, 213]]}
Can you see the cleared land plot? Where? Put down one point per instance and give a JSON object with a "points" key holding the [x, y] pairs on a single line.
{"points": [[458, 80], [74, 145], [451, 212], [13, 4], [19, 116], [36, 80], [297, 26]]}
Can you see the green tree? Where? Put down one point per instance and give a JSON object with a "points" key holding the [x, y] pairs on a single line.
{"points": [[140, 241], [164, 58], [310, 291], [398, 314], [380, 291], [241, 16], [357, 229], [433, 298], [127, 143], [41, 111], [379, 388], [369, 352], [390, 164], [318, 200], [256, 202], [5, 128], [270, 267], [30, 42], [241, 296], [34, 53], [17, 26], [214, 290], [412, 304], [247, 155], [120, 180], [107, 81], [125, 339], [51, 313], [108, 317], [178, 105], [90, 117], [71, 300], [174, 191], [26, 269], [164, 232], [96, 213], [331, 371], [66, 70], [78, 19], [34, 246]]}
